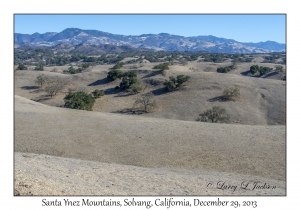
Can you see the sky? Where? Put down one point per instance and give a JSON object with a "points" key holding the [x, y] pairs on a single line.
{"points": [[242, 28]]}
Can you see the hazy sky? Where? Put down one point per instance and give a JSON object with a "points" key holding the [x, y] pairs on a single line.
{"points": [[242, 28]]}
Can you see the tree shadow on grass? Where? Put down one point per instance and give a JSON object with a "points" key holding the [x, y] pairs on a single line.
{"points": [[100, 82], [110, 91], [120, 93], [30, 87], [159, 91], [218, 98], [124, 94], [248, 74], [152, 74], [270, 74], [35, 89], [42, 98], [134, 111]]}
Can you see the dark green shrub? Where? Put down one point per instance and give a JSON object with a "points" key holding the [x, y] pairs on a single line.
{"points": [[254, 69], [279, 68], [39, 68], [174, 83], [162, 66], [264, 70], [79, 100], [127, 82], [118, 65], [114, 74], [128, 79], [130, 74], [85, 65], [214, 115], [135, 88], [170, 84], [72, 70], [22, 67], [181, 79], [223, 69], [98, 93], [232, 93]]}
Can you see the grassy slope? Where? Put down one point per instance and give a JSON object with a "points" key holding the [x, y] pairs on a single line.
{"points": [[149, 142], [262, 100]]}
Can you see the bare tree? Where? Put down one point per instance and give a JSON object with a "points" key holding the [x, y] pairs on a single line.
{"points": [[138, 87], [143, 85], [41, 79], [216, 114], [146, 101], [54, 85], [231, 94]]}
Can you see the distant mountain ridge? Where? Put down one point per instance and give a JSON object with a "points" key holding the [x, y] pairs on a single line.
{"points": [[162, 41]]}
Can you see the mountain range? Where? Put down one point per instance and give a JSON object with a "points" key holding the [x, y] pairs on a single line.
{"points": [[162, 41]]}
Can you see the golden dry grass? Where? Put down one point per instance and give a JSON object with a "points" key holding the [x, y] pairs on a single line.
{"points": [[252, 145]]}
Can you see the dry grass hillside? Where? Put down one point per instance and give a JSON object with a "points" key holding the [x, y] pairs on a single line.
{"points": [[124, 146], [262, 100]]}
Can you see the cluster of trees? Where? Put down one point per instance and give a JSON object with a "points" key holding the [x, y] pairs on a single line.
{"points": [[38, 67], [52, 57], [218, 57], [221, 57], [128, 79], [74, 100], [175, 83], [273, 57], [243, 59], [262, 70], [82, 100], [58, 61], [162, 66], [53, 84], [72, 70], [115, 74], [79, 100], [215, 58], [225, 69], [217, 114], [29, 56]]}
